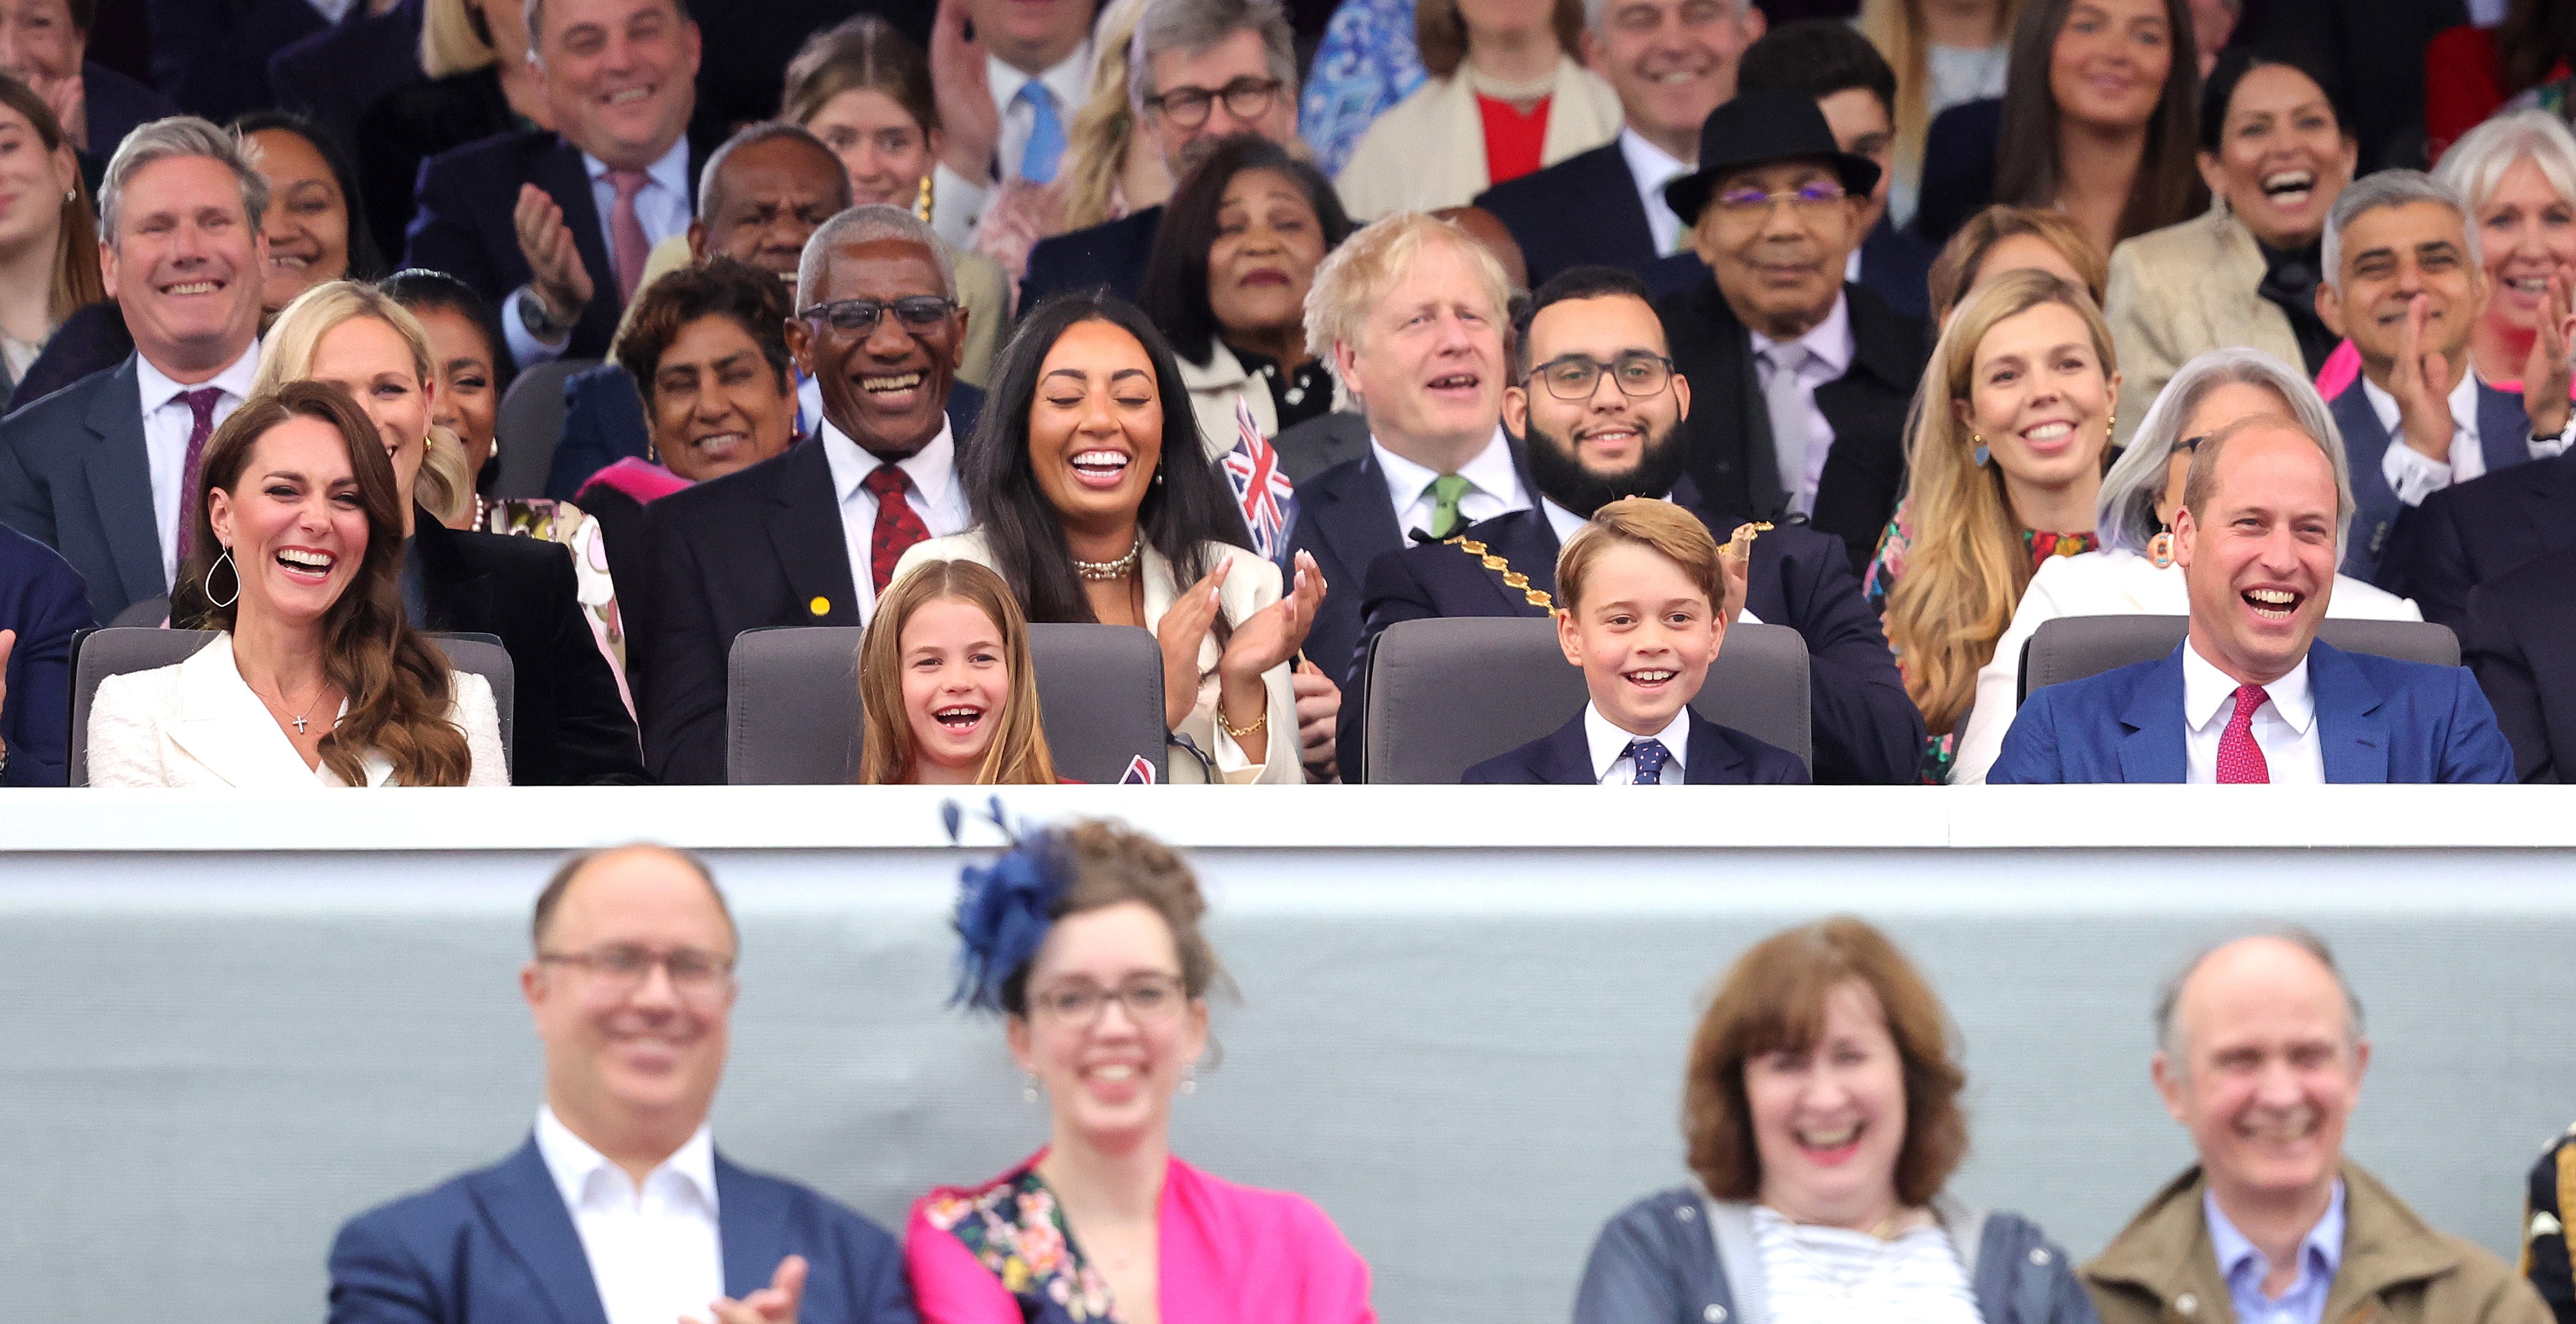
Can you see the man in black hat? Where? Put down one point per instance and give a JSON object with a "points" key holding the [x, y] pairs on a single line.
{"points": [[1802, 378]]}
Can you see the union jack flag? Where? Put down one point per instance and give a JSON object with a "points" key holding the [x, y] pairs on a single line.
{"points": [[1268, 499]]}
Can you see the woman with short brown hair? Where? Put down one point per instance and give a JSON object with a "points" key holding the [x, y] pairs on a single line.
{"points": [[1822, 1120]]}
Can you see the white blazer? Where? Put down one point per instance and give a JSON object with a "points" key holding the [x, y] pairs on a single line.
{"points": [[1250, 586], [2116, 582], [1428, 150], [199, 724]]}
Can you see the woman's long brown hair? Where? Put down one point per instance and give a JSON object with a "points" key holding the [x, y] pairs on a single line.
{"points": [[2029, 168], [1018, 755], [396, 683], [77, 283]]}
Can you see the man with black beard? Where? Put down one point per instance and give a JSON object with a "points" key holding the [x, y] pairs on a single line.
{"points": [[1597, 403]]}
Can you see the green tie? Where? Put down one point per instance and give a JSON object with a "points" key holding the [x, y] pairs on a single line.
{"points": [[1445, 492]]}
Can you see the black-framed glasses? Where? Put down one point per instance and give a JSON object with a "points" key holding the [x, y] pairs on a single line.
{"points": [[918, 312], [1747, 203], [621, 967], [1149, 999], [1245, 98], [1577, 376], [2190, 445]]}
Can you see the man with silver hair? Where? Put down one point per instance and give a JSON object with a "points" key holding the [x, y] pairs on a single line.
{"points": [[811, 536], [1198, 71], [2133, 572], [104, 469], [2260, 1053], [2404, 284], [2251, 695]]}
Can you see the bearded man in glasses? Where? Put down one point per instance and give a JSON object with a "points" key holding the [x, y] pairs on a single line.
{"points": [[811, 536], [619, 1208]]}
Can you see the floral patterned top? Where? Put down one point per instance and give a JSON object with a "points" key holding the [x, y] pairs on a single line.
{"points": [[1940, 751], [563, 522], [1016, 1229], [1366, 63]]}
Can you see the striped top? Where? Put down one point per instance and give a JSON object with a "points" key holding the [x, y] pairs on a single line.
{"points": [[1830, 1275]]}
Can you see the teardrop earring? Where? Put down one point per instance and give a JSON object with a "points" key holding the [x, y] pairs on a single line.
{"points": [[1977, 457], [1190, 1079], [1029, 1092]]}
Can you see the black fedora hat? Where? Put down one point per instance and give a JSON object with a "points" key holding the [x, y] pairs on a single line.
{"points": [[1759, 128]]}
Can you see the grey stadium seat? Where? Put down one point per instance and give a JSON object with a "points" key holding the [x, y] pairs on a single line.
{"points": [[2073, 647], [530, 425], [1445, 695]]}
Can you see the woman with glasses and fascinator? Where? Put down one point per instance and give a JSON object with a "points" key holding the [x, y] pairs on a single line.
{"points": [[1086, 941], [2133, 571], [315, 676]]}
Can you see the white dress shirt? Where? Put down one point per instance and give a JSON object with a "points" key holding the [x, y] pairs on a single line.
{"points": [[661, 206], [167, 421], [957, 202], [1653, 167], [1494, 485], [655, 1251], [1611, 765], [935, 494], [1829, 355], [2412, 475], [2285, 727]]}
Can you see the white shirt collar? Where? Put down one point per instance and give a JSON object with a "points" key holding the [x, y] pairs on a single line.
{"points": [[671, 172], [1610, 744], [1563, 521], [2208, 694], [2464, 405], [1829, 341], [1490, 470], [585, 1177], [159, 390], [1652, 165], [932, 469], [1068, 78]]}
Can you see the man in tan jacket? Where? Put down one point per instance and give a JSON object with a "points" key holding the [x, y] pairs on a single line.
{"points": [[2261, 1058]]}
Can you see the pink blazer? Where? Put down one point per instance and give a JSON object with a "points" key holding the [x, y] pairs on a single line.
{"points": [[1228, 1255]]}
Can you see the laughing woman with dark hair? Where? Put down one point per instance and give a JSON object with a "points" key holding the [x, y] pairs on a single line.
{"points": [[1233, 259], [1093, 498]]}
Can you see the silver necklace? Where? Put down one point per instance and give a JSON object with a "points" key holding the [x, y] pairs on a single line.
{"points": [[1107, 570], [298, 719]]}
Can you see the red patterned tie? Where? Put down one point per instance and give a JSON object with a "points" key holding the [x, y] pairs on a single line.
{"points": [[201, 402], [627, 229], [899, 526], [2240, 760]]}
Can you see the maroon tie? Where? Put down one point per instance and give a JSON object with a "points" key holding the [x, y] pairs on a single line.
{"points": [[899, 526], [627, 230], [201, 402], [2240, 760]]}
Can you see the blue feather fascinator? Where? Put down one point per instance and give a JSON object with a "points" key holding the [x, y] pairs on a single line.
{"points": [[1004, 908]]}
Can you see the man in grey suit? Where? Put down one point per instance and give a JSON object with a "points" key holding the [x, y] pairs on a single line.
{"points": [[101, 470]]}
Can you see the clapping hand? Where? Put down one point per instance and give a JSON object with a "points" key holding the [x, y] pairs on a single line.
{"points": [[1276, 632], [1183, 628], [1319, 709], [1735, 562], [2545, 373], [965, 98], [2423, 402], [774, 1304], [68, 98], [555, 269]]}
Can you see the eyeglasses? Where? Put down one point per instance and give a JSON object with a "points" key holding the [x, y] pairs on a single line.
{"points": [[1744, 204], [1149, 1000], [1577, 376], [2190, 445], [624, 967], [1245, 98], [918, 312]]}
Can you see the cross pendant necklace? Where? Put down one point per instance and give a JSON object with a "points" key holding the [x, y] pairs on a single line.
{"points": [[299, 724]]}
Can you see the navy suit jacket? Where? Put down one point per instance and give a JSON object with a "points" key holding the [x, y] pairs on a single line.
{"points": [[1958, 168], [1718, 756], [1896, 265], [42, 598], [497, 1246], [2521, 641], [604, 422], [74, 476], [463, 225], [334, 75], [2378, 720], [117, 104], [2504, 434], [211, 56], [2465, 535], [1583, 211], [1112, 254], [1346, 521], [1866, 731]]}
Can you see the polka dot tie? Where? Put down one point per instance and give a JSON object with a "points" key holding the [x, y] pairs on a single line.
{"points": [[1650, 757], [2240, 760], [899, 526]]}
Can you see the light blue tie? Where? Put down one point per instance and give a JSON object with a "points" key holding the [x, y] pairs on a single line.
{"points": [[1650, 757], [1046, 134]]}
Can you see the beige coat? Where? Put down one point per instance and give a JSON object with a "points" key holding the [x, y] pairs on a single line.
{"points": [[1428, 150], [2396, 1270], [2180, 292]]}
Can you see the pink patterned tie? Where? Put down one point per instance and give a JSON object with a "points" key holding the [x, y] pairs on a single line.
{"points": [[2240, 760], [201, 403], [627, 230]]}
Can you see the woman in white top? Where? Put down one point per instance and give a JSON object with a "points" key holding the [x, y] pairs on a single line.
{"points": [[316, 678], [1093, 499], [2133, 571]]}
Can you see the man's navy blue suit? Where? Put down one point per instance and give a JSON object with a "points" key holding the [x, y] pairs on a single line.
{"points": [[2378, 720], [1717, 756], [497, 1246], [42, 598]]}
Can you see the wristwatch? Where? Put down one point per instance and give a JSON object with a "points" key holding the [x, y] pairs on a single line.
{"points": [[534, 315]]}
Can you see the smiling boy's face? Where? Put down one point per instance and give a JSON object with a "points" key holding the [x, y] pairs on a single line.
{"points": [[1644, 633]]}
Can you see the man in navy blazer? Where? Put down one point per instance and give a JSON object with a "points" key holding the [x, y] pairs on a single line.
{"points": [[2252, 695], [1580, 456], [529, 218], [2521, 641], [42, 605], [619, 1207], [2470, 533]]}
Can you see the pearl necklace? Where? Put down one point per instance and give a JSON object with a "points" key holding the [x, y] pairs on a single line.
{"points": [[1107, 570]]}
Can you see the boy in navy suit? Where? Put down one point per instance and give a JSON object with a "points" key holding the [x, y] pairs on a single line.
{"points": [[1644, 607]]}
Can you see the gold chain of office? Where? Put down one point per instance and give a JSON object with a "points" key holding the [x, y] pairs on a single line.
{"points": [[1538, 597]]}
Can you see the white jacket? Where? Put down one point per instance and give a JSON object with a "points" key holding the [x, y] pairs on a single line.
{"points": [[1428, 150], [2117, 582], [198, 724]]}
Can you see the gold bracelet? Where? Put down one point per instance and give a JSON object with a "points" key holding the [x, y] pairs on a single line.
{"points": [[1259, 724]]}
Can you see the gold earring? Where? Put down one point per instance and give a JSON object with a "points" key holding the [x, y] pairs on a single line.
{"points": [[921, 207]]}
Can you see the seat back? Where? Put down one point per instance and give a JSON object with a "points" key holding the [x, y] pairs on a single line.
{"points": [[530, 426], [1447, 694], [792, 703], [99, 654], [2073, 647]]}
